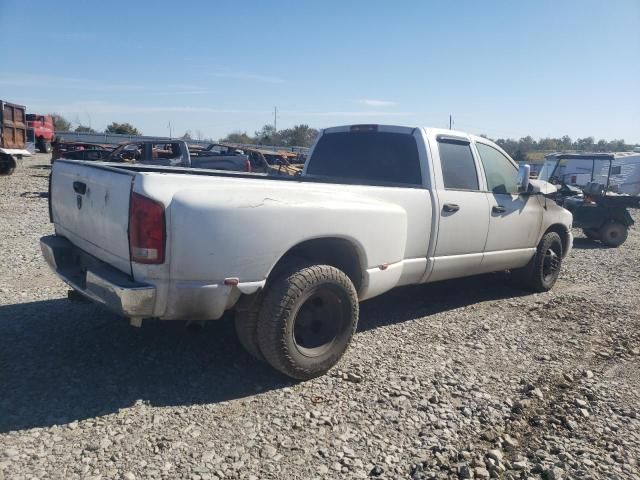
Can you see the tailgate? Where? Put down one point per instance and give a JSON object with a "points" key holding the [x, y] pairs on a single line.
{"points": [[90, 207]]}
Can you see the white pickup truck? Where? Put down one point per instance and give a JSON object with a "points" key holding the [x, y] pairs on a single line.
{"points": [[376, 207]]}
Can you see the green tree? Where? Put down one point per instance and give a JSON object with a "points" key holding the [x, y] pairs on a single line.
{"points": [[84, 129], [123, 129], [237, 137], [267, 135], [585, 144], [298, 136], [187, 135], [60, 124]]}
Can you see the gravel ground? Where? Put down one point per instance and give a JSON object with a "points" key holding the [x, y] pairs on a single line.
{"points": [[464, 379]]}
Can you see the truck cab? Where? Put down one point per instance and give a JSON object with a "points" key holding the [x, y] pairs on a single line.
{"points": [[43, 131]]}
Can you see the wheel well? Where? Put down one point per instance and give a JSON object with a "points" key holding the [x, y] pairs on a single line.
{"points": [[564, 235], [337, 252]]}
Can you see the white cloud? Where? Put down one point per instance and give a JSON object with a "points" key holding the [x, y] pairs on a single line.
{"points": [[71, 83], [359, 113], [377, 103], [99, 107]]}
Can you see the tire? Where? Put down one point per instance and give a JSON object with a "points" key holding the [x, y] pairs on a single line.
{"points": [[246, 323], [541, 273], [591, 233], [43, 145], [614, 233], [7, 164], [307, 320]]}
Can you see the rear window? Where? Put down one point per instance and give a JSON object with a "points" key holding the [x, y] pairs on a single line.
{"points": [[458, 167], [367, 157]]}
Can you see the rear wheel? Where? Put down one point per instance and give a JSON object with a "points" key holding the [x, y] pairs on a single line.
{"points": [[542, 271], [246, 322], [614, 233], [307, 320], [7, 164], [591, 233]]}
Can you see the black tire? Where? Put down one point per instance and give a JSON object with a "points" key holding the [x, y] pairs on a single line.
{"points": [[614, 233], [541, 273], [246, 323], [7, 164], [307, 320], [591, 233], [43, 145]]}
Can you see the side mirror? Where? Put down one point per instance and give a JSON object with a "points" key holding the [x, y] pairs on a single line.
{"points": [[523, 178]]}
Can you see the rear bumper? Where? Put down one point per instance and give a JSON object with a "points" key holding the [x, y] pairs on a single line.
{"points": [[96, 280]]}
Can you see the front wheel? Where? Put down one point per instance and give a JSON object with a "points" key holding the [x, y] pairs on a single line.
{"points": [[613, 234], [307, 320], [541, 273]]}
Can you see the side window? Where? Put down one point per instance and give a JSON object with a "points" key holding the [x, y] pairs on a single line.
{"points": [[458, 168], [500, 172]]}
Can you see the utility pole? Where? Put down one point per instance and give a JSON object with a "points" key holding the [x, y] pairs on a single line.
{"points": [[170, 133], [275, 119], [450, 121]]}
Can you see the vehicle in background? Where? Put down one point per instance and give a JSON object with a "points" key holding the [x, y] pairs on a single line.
{"points": [[42, 129], [282, 162], [80, 151], [598, 189], [13, 136], [272, 162], [620, 171], [376, 207], [171, 153], [219, 156]]}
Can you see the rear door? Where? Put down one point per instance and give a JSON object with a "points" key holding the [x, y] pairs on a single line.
{"points": [[463, 221], [90, 207]]}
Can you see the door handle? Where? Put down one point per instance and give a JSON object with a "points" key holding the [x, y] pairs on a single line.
{"points": [[450, 207], [80, 187], [498, 209]]}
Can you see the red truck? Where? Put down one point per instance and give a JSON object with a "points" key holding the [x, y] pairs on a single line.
{"points": [[43, 131]]}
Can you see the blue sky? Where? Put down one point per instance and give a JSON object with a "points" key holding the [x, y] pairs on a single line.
{"points": [[503, 68]]}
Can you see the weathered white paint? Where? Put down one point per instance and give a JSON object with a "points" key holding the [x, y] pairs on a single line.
{"points": [[235, 227]]}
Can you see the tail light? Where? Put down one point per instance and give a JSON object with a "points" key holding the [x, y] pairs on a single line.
{"points": [[247, 165], [146, 230]]}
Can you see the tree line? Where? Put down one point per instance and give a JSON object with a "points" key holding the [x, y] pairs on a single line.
{"points": [[524, 149], [527, 147], [296, 136], [61, 124]]}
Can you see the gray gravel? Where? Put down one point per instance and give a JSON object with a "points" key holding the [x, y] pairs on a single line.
{"points": [[465, 379]]}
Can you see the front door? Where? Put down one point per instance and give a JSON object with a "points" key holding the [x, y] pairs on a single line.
{"points": [[515, 219]]}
